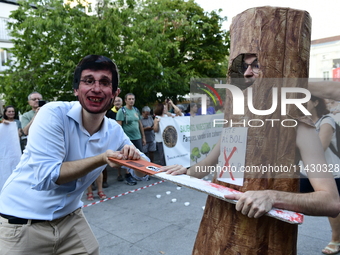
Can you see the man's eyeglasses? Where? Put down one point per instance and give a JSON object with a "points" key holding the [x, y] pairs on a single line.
{"points": [[255, 67], [34, 99], [103, 82]]}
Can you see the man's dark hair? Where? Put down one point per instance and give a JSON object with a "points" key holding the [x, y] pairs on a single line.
{"points": [[95, 63]]}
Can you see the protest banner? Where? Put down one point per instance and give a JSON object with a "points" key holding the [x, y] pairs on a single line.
{"points": [[187, 140], [232, 157], [10, 151]]}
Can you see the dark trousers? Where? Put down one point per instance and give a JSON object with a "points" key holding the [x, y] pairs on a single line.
{"points": [[138, 143], [160, 150]]}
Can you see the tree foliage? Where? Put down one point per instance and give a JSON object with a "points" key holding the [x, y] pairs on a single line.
{"points": [[157, 45]]}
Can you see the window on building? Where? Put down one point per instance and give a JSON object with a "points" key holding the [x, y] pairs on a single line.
{"points": [[4, 33], [5, 56]]}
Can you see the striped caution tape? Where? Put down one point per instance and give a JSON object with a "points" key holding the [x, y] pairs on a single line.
{"points": [[128, 192]]}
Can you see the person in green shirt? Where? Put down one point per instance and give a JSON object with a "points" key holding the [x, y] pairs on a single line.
{"points": [[28, 117], [130, 119]]}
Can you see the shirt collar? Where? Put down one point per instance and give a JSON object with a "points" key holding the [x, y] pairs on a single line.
{"points": [[75, 114]]}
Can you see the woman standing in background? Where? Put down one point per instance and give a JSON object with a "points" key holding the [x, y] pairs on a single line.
{"points": [[11, 115]]}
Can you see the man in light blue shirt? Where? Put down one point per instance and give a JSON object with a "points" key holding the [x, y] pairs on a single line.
{"points": [[69, 146]]}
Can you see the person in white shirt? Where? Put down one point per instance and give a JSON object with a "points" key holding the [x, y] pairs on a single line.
{"points": [[69, 146]]}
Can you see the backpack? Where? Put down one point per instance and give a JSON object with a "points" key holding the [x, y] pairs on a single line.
{"points": [[337, 135], [124, 112]]}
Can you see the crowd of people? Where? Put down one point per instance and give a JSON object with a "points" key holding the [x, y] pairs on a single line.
{"points": [[141, 128]]}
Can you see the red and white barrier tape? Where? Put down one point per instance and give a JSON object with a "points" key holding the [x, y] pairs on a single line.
{"points": [[128, 192]]}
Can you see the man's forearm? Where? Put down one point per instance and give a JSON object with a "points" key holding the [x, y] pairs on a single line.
{"points": [[319, 203], [27, 127], [73, 170], [255, 203]]}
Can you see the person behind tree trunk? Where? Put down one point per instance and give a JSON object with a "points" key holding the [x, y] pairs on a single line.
{"points": [[323, 201]]}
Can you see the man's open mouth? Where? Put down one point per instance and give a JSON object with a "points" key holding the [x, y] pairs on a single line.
{"points": [[95, 99]]}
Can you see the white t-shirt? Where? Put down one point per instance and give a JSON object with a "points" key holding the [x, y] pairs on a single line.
{"points": [[336, 117], [331, 158]]}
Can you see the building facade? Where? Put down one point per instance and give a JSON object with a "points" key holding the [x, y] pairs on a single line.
{"points": [[5, 40], [325, 58]]}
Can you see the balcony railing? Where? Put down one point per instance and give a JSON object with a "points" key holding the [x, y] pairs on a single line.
{"points": [[4, 34]]}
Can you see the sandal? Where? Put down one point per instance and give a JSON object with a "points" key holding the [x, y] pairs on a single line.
{"points": [[101, 195], [329, 250], [90, 196]]}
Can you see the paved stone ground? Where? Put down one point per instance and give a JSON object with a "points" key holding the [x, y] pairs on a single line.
{"points": [[141, 223]]}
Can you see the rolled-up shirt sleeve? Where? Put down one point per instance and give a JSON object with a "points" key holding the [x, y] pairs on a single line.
{"points": [[46, 146]]}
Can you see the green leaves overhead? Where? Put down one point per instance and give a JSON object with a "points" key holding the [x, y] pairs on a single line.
{"points": [[157, 45]]}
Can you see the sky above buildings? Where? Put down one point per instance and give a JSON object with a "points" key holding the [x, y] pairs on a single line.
{"points": [[325, 13]]}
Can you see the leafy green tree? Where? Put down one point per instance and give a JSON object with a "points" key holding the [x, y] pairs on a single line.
{"points": [[195, 154], [157, 45], [205, 149]]}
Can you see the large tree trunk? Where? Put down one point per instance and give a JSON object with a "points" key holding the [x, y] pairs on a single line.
{"points": [[281, 39]]}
